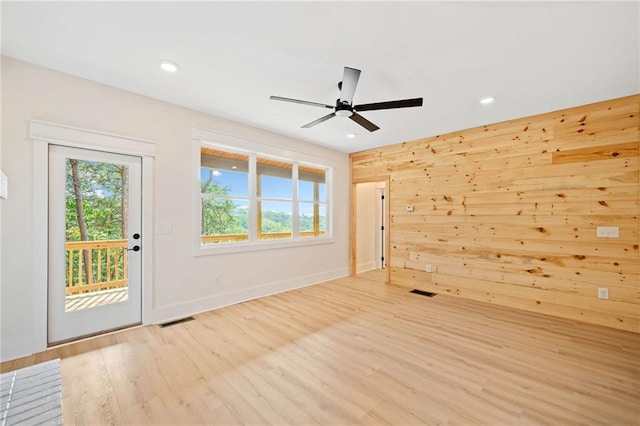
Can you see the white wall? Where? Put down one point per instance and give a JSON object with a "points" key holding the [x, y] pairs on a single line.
{"points": [[182, 282], [366, 212]]}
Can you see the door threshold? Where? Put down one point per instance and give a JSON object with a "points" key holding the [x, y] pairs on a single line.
{"points": [[52, 345]]}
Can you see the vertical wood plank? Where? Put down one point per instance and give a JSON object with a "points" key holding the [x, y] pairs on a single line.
{"points": [[90, 266], [109, 254], [99, 273]]}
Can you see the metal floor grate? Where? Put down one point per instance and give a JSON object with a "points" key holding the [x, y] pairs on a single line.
{"points": [[178, 321], [423, 293], [32, 395]]}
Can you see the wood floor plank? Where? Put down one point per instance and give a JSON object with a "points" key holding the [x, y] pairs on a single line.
{"points": [[353, 351]]}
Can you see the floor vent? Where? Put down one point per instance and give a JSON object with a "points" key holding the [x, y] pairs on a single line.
{"points": [[423, 293], [178, 321]]}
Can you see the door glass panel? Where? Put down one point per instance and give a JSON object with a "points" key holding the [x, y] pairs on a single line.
{"points": [[97, 198]]}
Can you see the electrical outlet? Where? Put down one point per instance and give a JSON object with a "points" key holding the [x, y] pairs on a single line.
{"points": [[215, 280], [603, 293], [428, 268], [608, 232]]}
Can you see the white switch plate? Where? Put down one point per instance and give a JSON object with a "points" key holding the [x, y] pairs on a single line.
{"points": [[164, 228], [608, 232], [410, 208], [428, 268], [603, 293]]}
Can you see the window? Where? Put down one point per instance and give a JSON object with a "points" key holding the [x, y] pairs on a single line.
{"points": [[274, 195], [224, 189], [250, 198], [312, 196]]}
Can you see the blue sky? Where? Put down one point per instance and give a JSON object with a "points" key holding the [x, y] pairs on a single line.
{"points": [[272, 187]]}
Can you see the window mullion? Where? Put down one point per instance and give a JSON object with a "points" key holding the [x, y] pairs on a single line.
{"points": [[316, 209], [254, 207], [328, 202], [295, 208]]}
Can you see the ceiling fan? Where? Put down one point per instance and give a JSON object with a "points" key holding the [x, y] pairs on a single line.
{"points": [[344, 105]]}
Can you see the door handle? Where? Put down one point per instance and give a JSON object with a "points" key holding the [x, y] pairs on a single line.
{"points": [[134, 248]]}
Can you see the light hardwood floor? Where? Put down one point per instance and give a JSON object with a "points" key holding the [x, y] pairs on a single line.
{"points": [[354, 351], [373, 275]]}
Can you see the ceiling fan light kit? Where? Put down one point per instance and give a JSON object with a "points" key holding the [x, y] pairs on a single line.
{"points": [[344, 110], [344, 105]]}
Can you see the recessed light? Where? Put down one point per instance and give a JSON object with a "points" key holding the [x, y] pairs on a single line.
{"points": [[351, 135], [487, 100], [168, 66]]}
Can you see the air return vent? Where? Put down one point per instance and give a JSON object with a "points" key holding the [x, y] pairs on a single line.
{"points": [[175, 322], [423, 293]]}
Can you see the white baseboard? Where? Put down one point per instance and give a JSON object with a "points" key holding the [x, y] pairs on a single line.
{"points": [[176, 311], [364, 267]]}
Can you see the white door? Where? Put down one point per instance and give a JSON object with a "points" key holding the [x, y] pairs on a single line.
{"points": [[95, 257]]}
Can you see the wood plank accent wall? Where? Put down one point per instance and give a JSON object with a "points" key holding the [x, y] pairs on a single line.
{"points": [[507, 213]]}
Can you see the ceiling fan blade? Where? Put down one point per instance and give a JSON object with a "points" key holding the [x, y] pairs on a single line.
{"points": [[298, 101], [349, 83], [319, 120], [364, 122], [404, 103]]}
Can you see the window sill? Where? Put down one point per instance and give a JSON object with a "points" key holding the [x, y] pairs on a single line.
{"points": [[243, 247]]}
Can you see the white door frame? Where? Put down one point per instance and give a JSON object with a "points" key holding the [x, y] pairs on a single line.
{"points": [[387, 221], [42, 134]]}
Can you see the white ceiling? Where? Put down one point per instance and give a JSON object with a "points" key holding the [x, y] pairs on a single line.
{"points": [[533, 57]]}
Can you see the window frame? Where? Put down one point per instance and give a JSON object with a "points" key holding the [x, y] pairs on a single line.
{"points": [[253, 150], [261, 198], [231, 197]]}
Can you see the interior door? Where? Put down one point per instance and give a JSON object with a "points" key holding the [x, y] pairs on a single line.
{"points": [[95, 252]]}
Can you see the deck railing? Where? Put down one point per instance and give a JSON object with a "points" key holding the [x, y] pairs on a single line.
{"points": [[103, 266], [106, 260]]}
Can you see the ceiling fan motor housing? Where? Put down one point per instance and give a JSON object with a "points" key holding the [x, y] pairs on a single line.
{"points": [[343, 109]]}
